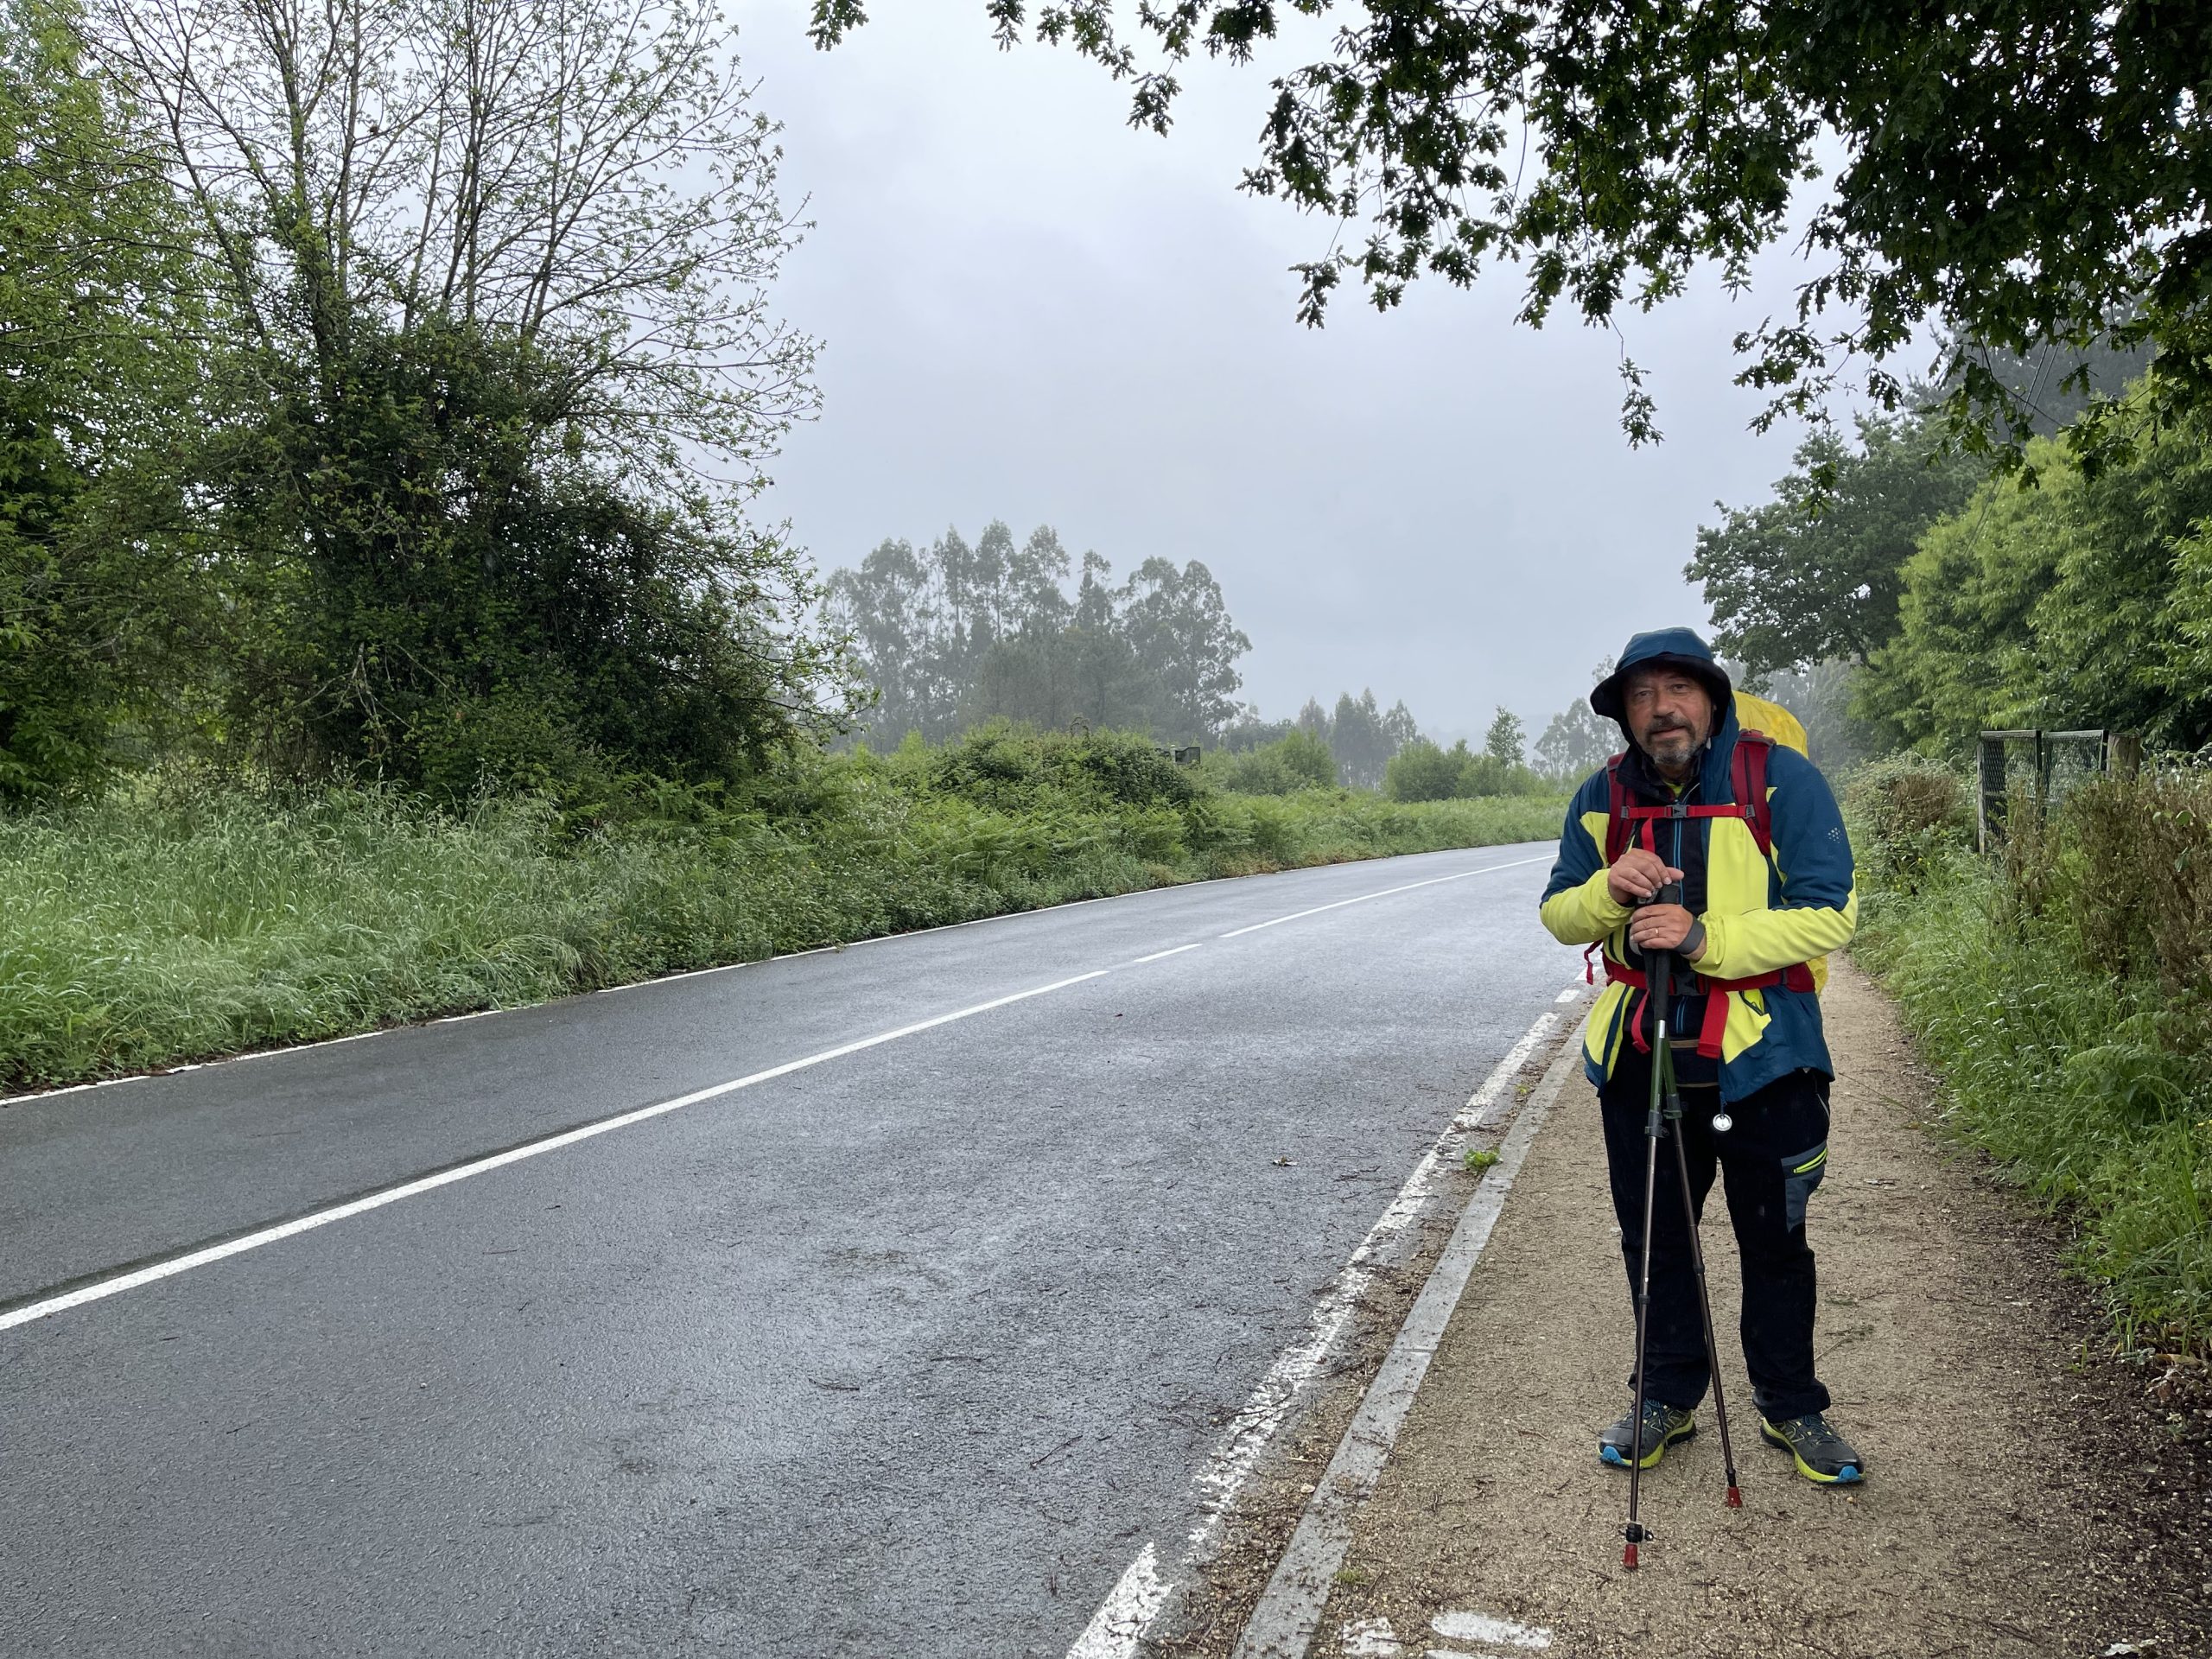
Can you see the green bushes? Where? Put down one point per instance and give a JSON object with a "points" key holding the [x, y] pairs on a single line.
{"points": [[1422, 772], [183, 919], [1015, 768], [1298, 760], [2061, 991], [2142, 866], [1907, 813]]}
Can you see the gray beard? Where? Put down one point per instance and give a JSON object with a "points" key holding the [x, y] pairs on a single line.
{"points": [[1674, 771]]}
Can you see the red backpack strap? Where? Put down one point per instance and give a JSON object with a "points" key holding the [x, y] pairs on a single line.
{"points": [[1747, 781], [1617, 824]]}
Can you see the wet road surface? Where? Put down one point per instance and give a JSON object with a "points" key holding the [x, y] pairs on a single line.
{"points": [[903, 1350]]}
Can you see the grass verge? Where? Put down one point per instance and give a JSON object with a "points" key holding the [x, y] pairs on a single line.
{"points": [[2084, 1070], [169, 923]]}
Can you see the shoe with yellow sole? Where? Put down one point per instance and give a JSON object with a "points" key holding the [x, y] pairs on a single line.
{"points": [[1819, 1452], [1662, 1425]]}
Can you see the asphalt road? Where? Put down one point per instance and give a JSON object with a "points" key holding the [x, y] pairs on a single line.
{"points": [[903, 1353]]}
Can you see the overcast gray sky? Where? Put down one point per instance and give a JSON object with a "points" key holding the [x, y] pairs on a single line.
{"points": [[1030, 312]]}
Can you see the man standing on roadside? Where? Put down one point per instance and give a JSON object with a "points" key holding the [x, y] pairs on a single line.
{"points": [[1766, 896]]}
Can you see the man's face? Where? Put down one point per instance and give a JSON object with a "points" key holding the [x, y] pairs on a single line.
{"points": [[1669, 714]]}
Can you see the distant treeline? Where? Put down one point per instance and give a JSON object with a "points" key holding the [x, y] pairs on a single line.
{"points": [[950, 635], [1359, 734], [1362, 746]]}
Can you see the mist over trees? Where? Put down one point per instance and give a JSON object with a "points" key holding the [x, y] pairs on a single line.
{"points": [[1422, 771], [951, 634], [1578, 741], [1361, 735]]}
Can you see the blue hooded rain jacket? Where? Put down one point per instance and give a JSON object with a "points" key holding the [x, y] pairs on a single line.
{"points": [[1760, 914]]}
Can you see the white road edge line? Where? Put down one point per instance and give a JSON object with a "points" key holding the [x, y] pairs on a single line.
{"points": [[1435, 881], [1284, 1623], [1127, 1613], [133, 1280], [1177, 952], [1113, 1632]]}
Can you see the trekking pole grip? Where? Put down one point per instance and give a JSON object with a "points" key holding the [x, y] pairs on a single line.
{"points": [[1659, 965]]}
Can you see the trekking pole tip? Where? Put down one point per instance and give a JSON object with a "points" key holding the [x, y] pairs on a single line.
{"points": [[1735, 1497], [1628, 1557]]}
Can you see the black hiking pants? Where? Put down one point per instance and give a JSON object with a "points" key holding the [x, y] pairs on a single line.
{"points": [[1769, 1162]]}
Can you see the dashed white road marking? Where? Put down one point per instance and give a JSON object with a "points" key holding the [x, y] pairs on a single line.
{"points": [[1250, 1433], [102, 1288], [30, 1096], [1435, 881], [1177, 952]]}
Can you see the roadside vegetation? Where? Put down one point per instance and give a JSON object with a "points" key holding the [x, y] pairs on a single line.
{"points": [[181, 916], [384, 631], [2063, 991], [1901, 596]]}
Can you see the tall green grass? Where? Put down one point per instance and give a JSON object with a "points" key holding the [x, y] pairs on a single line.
{"points": [[2060, 993], [168, 922]]}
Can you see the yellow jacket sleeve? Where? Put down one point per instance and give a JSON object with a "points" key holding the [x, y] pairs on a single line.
{"points": [[1577, 906], [1761, 941], [1584, 914]]}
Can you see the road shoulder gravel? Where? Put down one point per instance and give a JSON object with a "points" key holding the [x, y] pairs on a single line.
{"points": [[2027, 1497]]}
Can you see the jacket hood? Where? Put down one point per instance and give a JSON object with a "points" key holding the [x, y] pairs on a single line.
{"points": [[1674, 648]]}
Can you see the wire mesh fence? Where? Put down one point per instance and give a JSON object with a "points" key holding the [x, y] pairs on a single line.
{"points": [[2040, 768]]}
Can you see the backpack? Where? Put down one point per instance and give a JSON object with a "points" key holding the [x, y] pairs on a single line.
{"points": [[1747, 783]]}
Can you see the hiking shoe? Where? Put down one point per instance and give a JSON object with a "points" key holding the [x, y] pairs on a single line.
{"points": [[1820, 1454], [1662, 1425]]}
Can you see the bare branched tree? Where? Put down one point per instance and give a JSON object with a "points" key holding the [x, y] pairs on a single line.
{"points": [[585, 180]]}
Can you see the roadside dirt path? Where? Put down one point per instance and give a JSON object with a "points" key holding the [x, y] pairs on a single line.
{"points": [[2025, 1499]]}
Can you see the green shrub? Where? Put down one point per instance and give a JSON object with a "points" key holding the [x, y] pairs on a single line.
{"points": [[1009, 765], [1906, 812], [1421, 772], [2073, 1047], [1485, 774], [1300, 761], [2142, 868]]}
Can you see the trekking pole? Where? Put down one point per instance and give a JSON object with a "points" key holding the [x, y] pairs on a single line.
{"points": [[1663, 1056], [1658, 991]]}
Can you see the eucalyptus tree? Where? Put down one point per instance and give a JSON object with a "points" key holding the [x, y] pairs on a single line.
{"points": [[953, 633], [1506, 738], [1577, 741], [1360, 740], [1179, 628]]}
